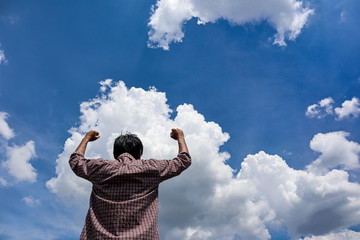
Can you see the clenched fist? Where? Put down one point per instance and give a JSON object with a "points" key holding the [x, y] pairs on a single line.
{"points": [[176, 133], [92, 135]]}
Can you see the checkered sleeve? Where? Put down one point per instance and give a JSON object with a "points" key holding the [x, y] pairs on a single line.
{"points": [[84, 167], [171, 168]]}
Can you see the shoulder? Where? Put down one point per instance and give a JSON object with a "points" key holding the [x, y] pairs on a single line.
{"points": [[80, 157]]}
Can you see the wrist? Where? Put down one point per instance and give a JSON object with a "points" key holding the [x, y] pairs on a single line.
{"points": [[181, 139]]}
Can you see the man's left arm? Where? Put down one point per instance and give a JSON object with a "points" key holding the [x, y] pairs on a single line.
{"points": [[171, 168]]}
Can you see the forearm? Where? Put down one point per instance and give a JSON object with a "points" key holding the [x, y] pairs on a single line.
{"points": [[182, 145], [82, 146]]}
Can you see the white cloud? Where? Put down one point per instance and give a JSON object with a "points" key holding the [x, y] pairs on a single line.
{"points": [[105, 84], [323, 108], [312, 111], [288, 17], [326, 103], [345, 234], [13, 19], [3, 182], [343, 16], [17, 162], [308, 204], [18, 157], [349, 108], [335, 151], [207, 200], [2, 57], [30, 201], [5, 130]]}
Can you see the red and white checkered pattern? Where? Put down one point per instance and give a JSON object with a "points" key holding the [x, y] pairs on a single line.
{"points": [[124, 198]]}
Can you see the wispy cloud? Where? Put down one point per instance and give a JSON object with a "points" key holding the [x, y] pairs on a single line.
{"points": [[30, 201], [207, 200], [288, 17], [3, 182], [2, 56], [5, 130], [343, 16], [321, 109]]}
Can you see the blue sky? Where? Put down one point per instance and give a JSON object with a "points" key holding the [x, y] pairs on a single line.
{"points": [[55, 53]]}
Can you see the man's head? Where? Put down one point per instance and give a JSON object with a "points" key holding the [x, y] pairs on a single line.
{"points": [[129, 143]]}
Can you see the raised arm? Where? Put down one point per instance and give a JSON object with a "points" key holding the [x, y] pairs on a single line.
{"points": [[172, 168], [89, 137], [178, 135], [80, 165]]}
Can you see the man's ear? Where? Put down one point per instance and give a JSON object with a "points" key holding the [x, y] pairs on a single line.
{"points": [[139, 156]]}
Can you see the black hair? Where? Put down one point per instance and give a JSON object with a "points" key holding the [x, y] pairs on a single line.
{"points": [[128, 143]]}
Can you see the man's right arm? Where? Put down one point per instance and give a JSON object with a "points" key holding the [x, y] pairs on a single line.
{"points": [[178, 134]]}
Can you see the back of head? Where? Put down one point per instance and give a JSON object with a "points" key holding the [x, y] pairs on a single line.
{"points": [[128, 143]]}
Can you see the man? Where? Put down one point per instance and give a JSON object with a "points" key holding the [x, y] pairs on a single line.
{"points": [[124, 197]]}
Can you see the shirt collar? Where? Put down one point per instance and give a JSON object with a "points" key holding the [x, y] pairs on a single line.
{"points": [[125, 156]]}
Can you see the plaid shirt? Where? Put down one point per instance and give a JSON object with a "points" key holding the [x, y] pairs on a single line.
{"points": [[124, 198]]}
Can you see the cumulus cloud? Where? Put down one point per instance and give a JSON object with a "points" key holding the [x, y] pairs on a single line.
{"points": [[308, 204], [335, 151], [30, 201], [5, 130], [17, 162], [323, 108], [346, 234], [349, 108], [207, 201], [18, 157], [288, 17]]}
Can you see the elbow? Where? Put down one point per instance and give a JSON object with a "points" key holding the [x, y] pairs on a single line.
{"points": [[74, 160], [186, 158], [72, 163], [189, 162]]}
